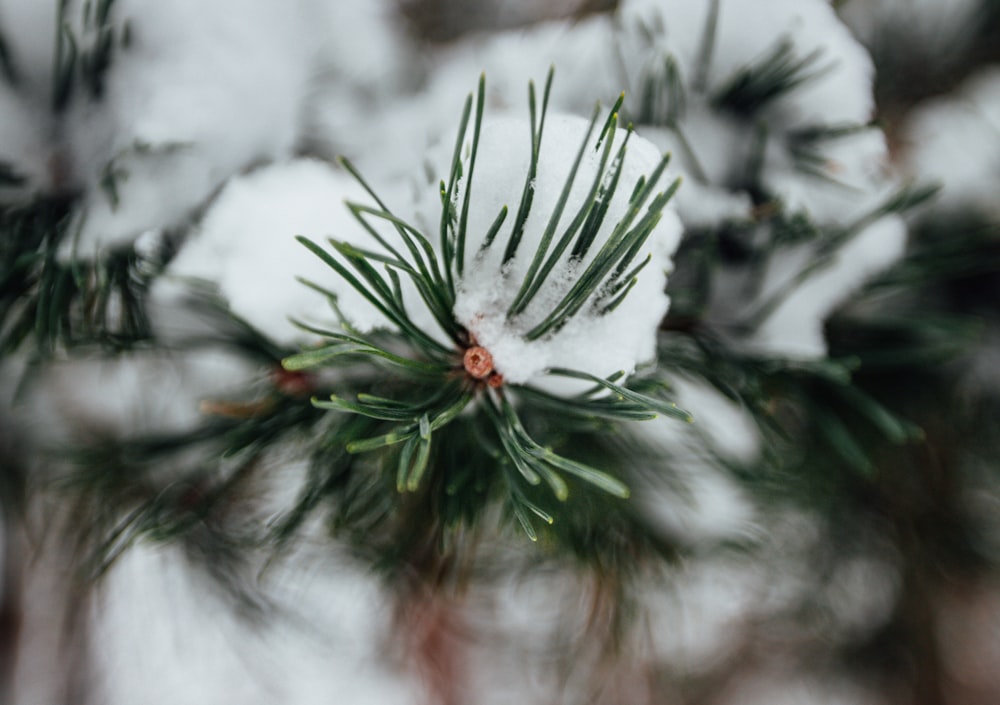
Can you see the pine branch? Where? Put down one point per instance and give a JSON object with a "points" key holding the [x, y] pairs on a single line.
{"points": [[778, 72], [434, 385], [55, 303], [904, 199]]}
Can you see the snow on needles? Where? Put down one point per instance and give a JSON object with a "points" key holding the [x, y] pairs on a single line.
{"points": [[202, 92], [795, 328], [825, 78], [590, 342], [193, 94], [246, 246], [798, 138]]}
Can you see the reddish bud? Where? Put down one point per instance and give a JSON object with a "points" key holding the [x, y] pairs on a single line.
{"points": [[478, 362]]}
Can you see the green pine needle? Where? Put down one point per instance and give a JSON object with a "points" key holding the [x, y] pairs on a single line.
{"points": [[777, 73]]}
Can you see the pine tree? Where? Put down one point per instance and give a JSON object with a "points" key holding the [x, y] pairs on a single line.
{"points": [[380, 352]]}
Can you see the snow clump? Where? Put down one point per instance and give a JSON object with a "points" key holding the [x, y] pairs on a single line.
{"points": [[590, 342]]}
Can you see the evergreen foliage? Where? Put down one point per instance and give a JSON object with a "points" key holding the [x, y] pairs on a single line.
{"points": [[406, 445]]}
